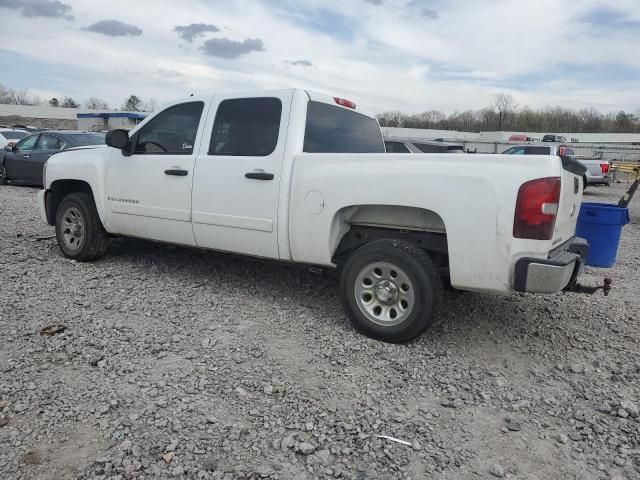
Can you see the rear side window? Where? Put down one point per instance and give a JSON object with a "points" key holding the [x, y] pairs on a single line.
{"points": [[14, 135], [172, 131], [333, 129], [396, 147], [84, 139], [426, 148], [537, 151], [246, 127], [455, 148], [514, 151]]}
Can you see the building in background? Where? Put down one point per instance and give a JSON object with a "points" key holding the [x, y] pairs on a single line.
{"points": [[102, 121], [51, 118]]}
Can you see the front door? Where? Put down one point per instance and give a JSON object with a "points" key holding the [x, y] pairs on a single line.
{"points": [[17, 162], [148, 187], [238, 174]]}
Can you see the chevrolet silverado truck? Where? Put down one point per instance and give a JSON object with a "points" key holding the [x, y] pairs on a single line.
{"points": [[301, 177]]}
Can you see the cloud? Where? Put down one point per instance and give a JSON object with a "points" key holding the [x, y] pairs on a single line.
{"points": [[299, 63], [39, 8], [114, 28], [424, 11], [195, 30], [225, 48], [169, 73], [375, 2]]}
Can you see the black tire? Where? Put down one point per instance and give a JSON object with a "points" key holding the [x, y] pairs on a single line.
{"points": [[94, 240], [584, 183], [3, 176], [412, 263]]}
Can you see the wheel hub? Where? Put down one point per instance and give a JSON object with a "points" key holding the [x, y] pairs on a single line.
{"points": [[386, 292]]}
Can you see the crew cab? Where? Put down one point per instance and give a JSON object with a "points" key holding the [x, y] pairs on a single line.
{"points": [[301, 177]]}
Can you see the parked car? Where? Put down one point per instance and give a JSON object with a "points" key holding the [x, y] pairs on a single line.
{"points": [[554, 138], [9, 136], [597, 171], [23, 162], [301, 177], [414, 146]]}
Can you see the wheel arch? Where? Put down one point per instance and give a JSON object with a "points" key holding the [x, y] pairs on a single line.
{"points": [[356, 225], [60, 189]]}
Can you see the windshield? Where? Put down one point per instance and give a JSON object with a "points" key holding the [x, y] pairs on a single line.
{"points": [[14, 135], [83, 139], [333, 129]]}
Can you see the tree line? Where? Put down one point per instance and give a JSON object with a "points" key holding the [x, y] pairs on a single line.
{"points": [[503, 114], [133, 103]]}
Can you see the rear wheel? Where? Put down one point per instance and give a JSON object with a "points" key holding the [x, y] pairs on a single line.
{"points": [[79, 230], [390, 290], [3, 176]]}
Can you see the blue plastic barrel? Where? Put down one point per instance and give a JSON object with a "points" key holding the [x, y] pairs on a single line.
{"points": [[601, 225]]}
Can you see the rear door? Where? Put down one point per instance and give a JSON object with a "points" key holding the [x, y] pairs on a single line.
{"points": [[47, 145], [238, 173]]}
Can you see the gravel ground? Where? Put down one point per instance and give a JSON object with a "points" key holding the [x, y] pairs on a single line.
{"points": [[178, 363]]}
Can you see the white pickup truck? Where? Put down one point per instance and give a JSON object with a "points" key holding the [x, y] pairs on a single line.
{"points": [[301, 177]]}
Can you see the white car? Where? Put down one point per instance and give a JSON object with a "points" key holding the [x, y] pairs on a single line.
{"points": [[301, 177], [9, 137]]}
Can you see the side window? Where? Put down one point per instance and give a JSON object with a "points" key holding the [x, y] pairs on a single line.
{"points": [[172, 131], [426, 148], [48, 142], [396, 147], [569, 152], [246, 127], [27, 143], [515, 151]]}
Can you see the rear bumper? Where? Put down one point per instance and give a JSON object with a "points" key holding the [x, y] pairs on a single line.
{"points": [[556, 273], [598, 179]]}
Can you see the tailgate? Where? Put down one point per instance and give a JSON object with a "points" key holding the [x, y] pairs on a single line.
{"points": [[570, 198]]}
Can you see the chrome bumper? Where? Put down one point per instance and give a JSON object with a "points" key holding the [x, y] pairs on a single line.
{"points": [[556, 273]]}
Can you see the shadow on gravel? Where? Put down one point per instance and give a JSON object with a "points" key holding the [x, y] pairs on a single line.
{"points": [[294, 287]]}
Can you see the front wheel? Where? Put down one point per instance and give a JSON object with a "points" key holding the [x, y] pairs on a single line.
{"points": [[79, 230], [3, 176], [390, 290]]}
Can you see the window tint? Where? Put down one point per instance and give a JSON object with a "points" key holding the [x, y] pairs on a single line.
{"points": [[172, 131], [426, 148], [569, 152], [27, 143], [537, 151], [246, 127], [333, 129], [14, 135], [455, 148], [49, 142], [396, 147]]}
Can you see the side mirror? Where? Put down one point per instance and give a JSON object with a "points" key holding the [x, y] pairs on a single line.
{"points": [[9, 148], [117, 139]]}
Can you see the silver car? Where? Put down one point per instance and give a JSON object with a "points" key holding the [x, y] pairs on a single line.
{"points": [[597, 170]]}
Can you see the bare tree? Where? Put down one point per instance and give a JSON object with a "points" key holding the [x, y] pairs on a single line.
{"points": [[132, 104], [95, 103], [506, 106], [54, 102], [150, 105]]}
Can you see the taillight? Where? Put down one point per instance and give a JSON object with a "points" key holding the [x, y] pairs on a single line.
{"points": [[536, 209], [345, 103], [604, 167]]}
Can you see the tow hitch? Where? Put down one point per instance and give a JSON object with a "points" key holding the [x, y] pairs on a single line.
{"points": [[578, 288]]}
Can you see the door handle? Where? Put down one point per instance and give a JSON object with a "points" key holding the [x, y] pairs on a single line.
{"points": [[176, 172], [26, 156], [259, 176]]}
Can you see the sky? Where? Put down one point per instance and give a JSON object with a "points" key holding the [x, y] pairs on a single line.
{"points": [[407, 55]]}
